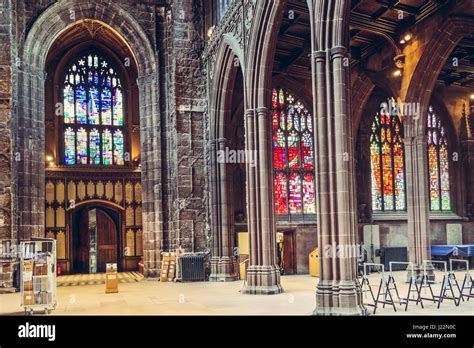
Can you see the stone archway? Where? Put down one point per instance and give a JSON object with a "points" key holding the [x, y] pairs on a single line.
{"points": [[229, 64], [419, 90], [29, 127], [429, 66], [263, 276]]}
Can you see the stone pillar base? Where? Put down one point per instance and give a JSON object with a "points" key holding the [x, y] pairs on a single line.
{"points": [[339, 298], [222, 269], [263, 280]]}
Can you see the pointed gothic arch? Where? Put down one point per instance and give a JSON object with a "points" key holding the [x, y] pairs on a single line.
{"points": [[29, 124]]}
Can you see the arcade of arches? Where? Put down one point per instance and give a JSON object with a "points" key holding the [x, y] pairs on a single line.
{"points": [[211, 125]]}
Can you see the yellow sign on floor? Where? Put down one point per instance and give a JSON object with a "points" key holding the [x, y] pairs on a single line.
{"points": [[111, 283], [111, 279]]}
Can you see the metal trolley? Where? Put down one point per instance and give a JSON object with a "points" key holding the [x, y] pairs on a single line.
{"points": [[38, 275]]}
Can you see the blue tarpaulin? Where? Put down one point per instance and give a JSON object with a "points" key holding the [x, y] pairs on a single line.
{"points": [[454, 250]]}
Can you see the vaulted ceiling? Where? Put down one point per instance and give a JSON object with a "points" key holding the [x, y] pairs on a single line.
{"points": [[373, 23]]}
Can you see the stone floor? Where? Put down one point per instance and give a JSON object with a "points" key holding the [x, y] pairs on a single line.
{"points": [[155, 298]]}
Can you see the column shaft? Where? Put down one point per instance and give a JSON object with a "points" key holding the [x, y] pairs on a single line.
{"points": [[263, 275]]}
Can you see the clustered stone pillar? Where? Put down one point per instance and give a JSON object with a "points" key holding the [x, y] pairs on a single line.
{"points": [[417, 200], [222, 263], [467, 146], [28, 165], [338, 292], [7, 238], [151, 173], [263, 274]]}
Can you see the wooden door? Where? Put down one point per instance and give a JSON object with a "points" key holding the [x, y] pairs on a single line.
{"points": [[106, 240], [289, 253]]}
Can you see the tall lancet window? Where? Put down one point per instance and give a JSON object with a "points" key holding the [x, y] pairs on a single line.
{"points": [[438, 163], [93, 113], [293, 156], [387, 156]]}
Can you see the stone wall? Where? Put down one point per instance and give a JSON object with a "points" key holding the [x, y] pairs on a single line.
{"points": [[6, 104], [175, 31], [186, 202]]}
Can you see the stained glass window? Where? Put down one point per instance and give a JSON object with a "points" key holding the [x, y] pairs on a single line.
{"points": [[387, 155], [293, 155], [438, 163], [93, 113]]}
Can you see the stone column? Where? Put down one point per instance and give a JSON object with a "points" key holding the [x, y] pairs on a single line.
{"points": [[467, 148], [263, 274], [222, 263], [28, 167], [7, 238], [468, 157], [338, 292], [419, 246], [151, 159]]}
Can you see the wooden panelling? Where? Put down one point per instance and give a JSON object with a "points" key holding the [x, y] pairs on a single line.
{"points": [[90, 189], [100, 189], [61, 245], [138, 192], [139, 242], [138, 216], [130, 243], [81, 190], [49, 217], [60, 194], [60, 217], [71, 191], [126, 192], [118, 192], [129, 216], [49, 194], [109, 190]]}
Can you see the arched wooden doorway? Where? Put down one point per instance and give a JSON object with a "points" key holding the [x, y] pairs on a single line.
{"points": [[95, 239]]}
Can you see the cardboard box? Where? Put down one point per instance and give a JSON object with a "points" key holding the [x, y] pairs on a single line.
{"points": [[40, 269], [28, 285], [27, 266]]}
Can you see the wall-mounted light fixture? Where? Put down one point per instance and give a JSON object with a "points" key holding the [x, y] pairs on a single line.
{"points": [[397, 73], [405, 38]]}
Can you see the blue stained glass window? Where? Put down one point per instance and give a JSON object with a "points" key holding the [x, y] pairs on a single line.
{"points": [[106, 107], [94, 146], [68, 104], [118, 108], [107, 147], [81, 105], [81, 146], [118, 147], [94, 106], [70, 142], [93, 112]]}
